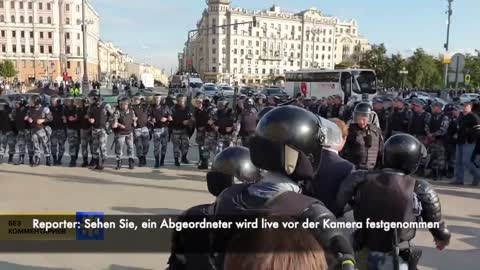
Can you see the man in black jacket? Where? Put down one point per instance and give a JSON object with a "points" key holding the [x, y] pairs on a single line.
{"points": [[467, 137]]}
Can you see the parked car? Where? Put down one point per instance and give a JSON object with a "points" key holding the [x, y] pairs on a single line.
{"points": [[274, 92], [469, 97], [227, 90], [209, 89], [248, 91]]}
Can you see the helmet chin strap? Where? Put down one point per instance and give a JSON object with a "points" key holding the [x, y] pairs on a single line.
{"points": [[290, 160]]}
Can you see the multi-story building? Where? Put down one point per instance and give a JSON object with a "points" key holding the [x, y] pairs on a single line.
{"points": [[257, 46], [44, 38], [112, 61]]}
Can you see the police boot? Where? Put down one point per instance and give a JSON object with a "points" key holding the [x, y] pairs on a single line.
{"points": [[99, 164], [177, 162], [73, 162], [131, 163], [140, 162], [85, 162], [21, 160], [54, 159], [10, 159], [203, 165], [185, 160], [30, 160], [59, 160], [48, 161], [162, 160], [93, 164], [157, 162], [119, 164]]}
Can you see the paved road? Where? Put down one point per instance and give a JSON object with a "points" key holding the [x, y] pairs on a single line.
{"points": [[169, 191]]}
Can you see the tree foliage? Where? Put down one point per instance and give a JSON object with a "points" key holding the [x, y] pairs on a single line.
{"points": [[7, 69]]}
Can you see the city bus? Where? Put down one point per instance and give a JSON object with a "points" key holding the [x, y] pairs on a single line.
{"points": [[324, 83]]}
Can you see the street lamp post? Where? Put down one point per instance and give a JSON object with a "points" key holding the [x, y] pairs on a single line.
{"points": [[449, 12], [404, 74], [85, 84]]}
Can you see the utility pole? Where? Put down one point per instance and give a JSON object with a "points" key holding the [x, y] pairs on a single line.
{"points": [[85, 84], [449, 12], [34, 44]]}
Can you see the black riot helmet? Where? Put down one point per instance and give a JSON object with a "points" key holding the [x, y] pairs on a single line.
{"points": [[94, 96], [21, 102], [364, 109], [36, 100], [264, 111], [232, 162], [403, 152], [288, 140]]}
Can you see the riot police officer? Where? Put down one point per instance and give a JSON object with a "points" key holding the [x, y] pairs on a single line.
{"points": [[224, 123], [73, 129], [7, 134], [393, 195], [438, 129], [99, 114], [23, 139], [382, 114], [451, 139], [38, 116], [260, 102], [247, 121], [124, 122], [85, 130], [190, 248], [181, 124], [335, 110], [59, 134], [365, 141], [261, 113], [288, 146], [160, 116], [400, 117], [201, 116], [141, 132], [419, 127]]}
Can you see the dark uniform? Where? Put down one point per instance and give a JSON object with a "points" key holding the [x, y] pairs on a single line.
{"points": [[158, 113], [73, 131], [7, 134], [438, 130], [85, 130], [124, 123], [180, 132], [23, 139], [100, 112], [451, 139], [419, 125], [141, 132], [363, 146], [399, 120], [225, 123], [392, 195], [247, 121], [40, 131], [201, 116], [59, 132]]}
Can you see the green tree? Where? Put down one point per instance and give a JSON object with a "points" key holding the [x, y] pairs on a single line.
{"points": [[423, 70], [394, 65], [472, 65], [376, 59], [347, 63], [7, 69]]}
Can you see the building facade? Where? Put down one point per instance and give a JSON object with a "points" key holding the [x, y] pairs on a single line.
{"points": [[112, 61], [44, 38], [258, 46]]}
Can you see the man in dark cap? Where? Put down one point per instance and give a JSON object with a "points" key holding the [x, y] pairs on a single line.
{"points": [[438, 129], [399, 118]]}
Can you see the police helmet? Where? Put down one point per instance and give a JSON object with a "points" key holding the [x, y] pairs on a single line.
{"points": [[403, 152], [363, 109], [124, 100], [138, 98], [222, 103], [94, 96], [36, 100], [288, 140], [264, 111], [232, 162], [249, 102]]}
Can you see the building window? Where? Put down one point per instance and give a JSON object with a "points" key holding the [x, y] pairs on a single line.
{"points": [[67, 20], [78, 36], [22, 34], [1, 3], [264, 71], [12, 4], [14, 34], [67, 35], [67, 7], [40, 20], [14, 48], [41, 34], [50, 49], [242, 61], [42, 49], [242, 42], [224, 41], [32, 48], [214, 69], [214, 41], [78, 8], [250, 43], [31, 34], [49, 6], [329, 48], [214, 51], [23, 48], [67, 49], [235, 42], [323, 56], [50, 35], [3, 33], [2, 18], [257, 52], [78, 51], [22, 19], [40, 5], [234, 60], [30, 19], [68, 65], [12, 19], [49, 20], [4, 48], [235, 51], [214, 60], [30, 5]]}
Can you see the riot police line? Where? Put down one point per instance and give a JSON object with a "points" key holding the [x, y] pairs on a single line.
{"points": [[287, 172]]}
